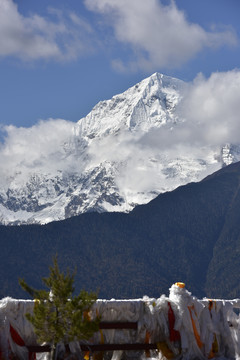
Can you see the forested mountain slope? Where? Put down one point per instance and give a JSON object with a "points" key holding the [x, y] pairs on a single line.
{"points": [[190, 234]]}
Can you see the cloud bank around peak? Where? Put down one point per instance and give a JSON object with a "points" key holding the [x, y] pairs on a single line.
{"points": [[209, 118], [59, 36], [212, 107], [38, 148], [159, 35]]}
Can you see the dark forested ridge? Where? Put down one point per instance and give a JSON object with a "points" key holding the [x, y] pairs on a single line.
{"points": [[191, 234]]}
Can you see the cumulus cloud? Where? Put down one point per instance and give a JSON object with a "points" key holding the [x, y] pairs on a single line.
{"points": [[58, 36], [212, 107], [38, 147], [160, 35]]}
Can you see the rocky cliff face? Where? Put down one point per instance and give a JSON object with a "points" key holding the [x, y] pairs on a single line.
{"points": [[123, 153]]}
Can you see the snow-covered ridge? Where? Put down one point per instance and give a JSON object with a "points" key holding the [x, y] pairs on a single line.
{"points": [[148, 104], [125, 152]]}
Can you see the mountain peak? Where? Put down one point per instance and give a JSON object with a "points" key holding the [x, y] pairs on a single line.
{"points": [[145, 105], [164, 79], [123, 153]]}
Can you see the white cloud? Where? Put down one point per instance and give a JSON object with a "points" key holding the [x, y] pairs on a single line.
{"points": [[38, 147], [63, 37], [160, 36], [212, 107]]}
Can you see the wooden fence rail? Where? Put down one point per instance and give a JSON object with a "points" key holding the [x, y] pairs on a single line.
{"points": [[103, 347], [98, 347]]}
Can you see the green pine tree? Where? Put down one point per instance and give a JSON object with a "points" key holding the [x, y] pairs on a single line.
{"points": [[58, 315]]}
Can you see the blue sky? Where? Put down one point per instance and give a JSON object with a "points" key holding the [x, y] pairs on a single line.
{"points": [[59, 58]]}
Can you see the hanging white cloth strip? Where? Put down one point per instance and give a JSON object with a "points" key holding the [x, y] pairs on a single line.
{"points": [[179, 325]]}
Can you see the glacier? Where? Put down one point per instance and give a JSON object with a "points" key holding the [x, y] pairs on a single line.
{"points": [[125, 152]]}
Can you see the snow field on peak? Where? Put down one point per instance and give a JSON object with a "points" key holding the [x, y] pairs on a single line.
{"points": [[140, 107]]}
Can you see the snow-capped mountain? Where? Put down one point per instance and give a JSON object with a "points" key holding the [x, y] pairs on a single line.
{"points": [[125, 152]]}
